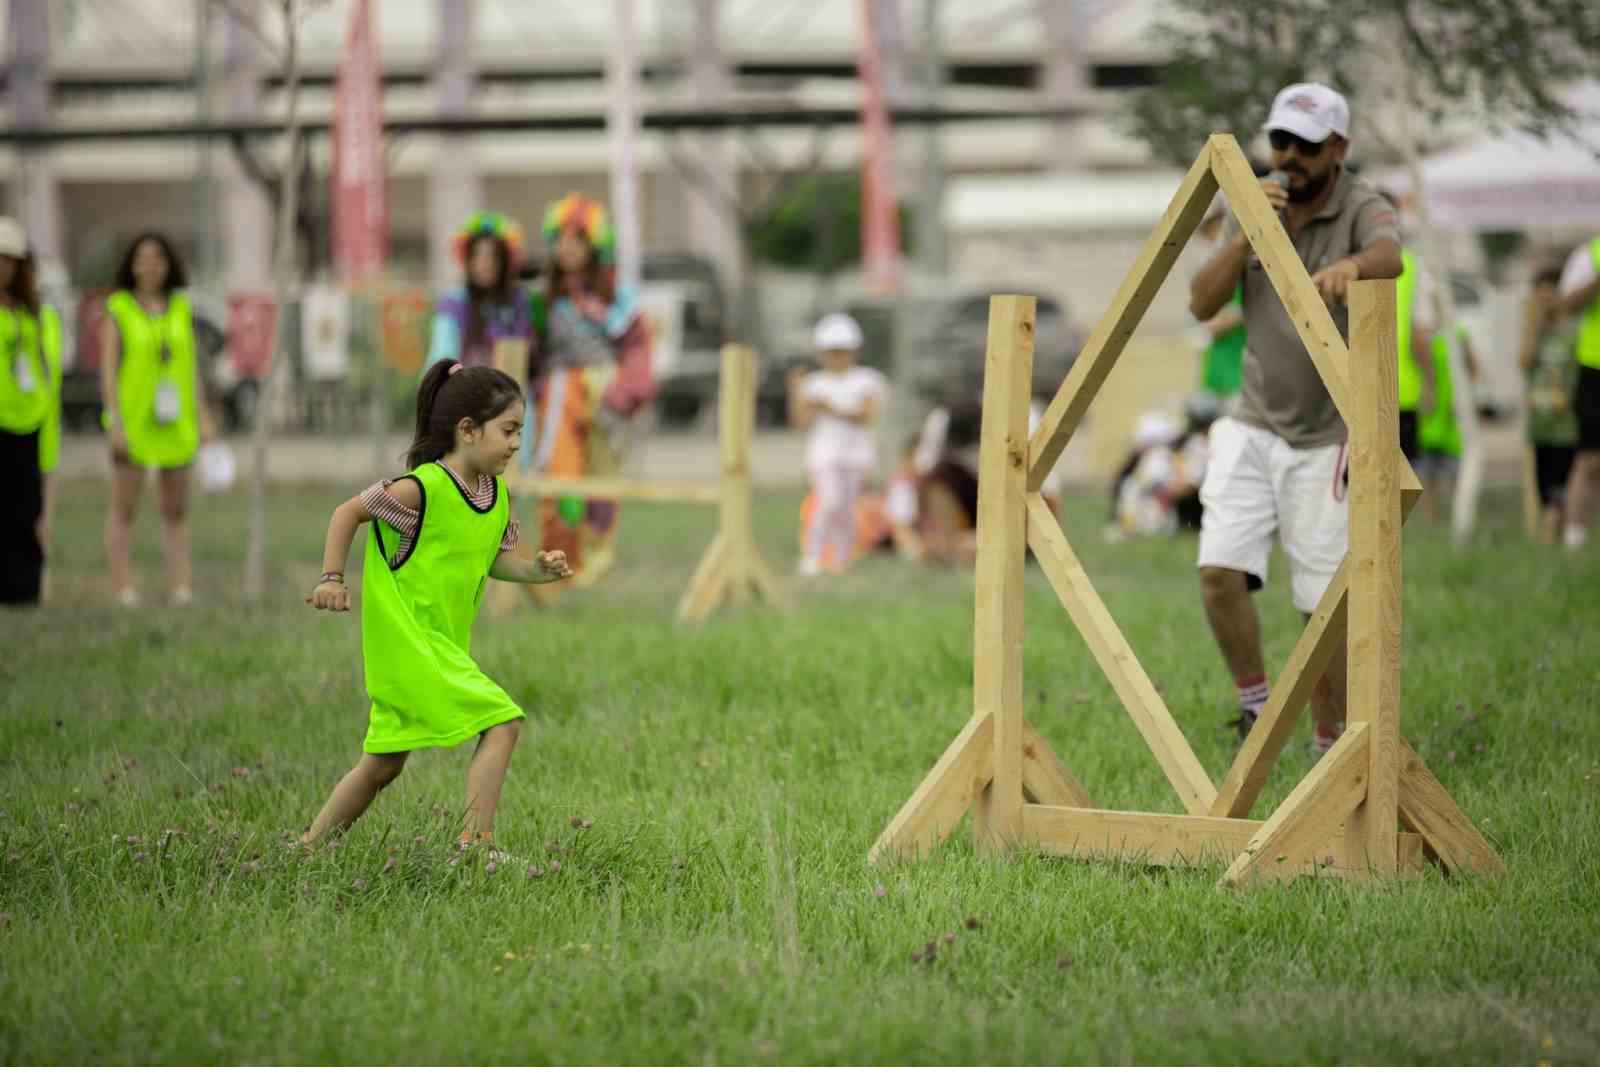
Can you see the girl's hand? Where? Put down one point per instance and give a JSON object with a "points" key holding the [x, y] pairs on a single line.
{"points": [[552, 566], [330, 596], [119, 440]]}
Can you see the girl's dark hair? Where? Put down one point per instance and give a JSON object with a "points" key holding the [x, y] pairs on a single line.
{"points": [[177, 277], [444, 399], [480, 299], [24, 289]]}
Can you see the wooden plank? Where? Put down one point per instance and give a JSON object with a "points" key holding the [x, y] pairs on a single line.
{"points": [[1306, 823], [1304, 305], [697, 600], [1163, 840], [735, 412], [1045, 779], [616, 489], [1111, 334], [1427, 808], [1532, 509], [1374, 561], [944, 795], [1002, 553], [768, 586], [1321, 640], [1110, 649]]}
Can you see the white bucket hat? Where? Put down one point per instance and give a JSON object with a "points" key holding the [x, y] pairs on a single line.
{"points": [[837, 330], [13, 242]]}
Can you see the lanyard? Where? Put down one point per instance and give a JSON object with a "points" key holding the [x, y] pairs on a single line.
{"points": [[158, 326]]}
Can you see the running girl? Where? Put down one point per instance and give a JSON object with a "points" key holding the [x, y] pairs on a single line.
{"points": [[438, 534]]}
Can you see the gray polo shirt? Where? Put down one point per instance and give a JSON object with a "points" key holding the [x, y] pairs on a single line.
{"points": [[1281, 390]]}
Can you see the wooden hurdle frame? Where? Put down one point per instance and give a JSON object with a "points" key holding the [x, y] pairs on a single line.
{"points": [[731, 568], [1345, 817]]}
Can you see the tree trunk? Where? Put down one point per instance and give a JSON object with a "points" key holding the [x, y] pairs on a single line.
{"points": [[255, 568]]}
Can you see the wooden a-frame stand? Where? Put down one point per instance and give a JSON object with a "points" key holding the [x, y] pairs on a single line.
{"points": [[1345, 818], [731, 568]]}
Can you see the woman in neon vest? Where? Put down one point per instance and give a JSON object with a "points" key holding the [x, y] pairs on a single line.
{"points": [[594, 375], [30, 420], [1580, 296], [154, 410]]}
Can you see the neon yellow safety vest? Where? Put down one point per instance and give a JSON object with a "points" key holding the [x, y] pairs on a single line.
{"points": [[1589, 329], [156, 369], [30, 378], [1410, 376]]}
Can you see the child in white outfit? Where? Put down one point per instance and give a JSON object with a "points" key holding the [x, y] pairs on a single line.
{"points": [[839, 403]]}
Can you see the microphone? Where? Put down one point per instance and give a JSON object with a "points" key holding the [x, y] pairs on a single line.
{"points": [[1281, 179]]}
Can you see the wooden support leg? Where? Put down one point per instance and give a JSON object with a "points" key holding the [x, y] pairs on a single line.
{"points": [[1309, 819], [707, 584], [1045, 779], [1426, 807], [1002, 551], [953, 785], [1374, 563]]}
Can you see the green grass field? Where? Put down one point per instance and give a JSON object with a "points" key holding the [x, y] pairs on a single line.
{"points": [[720, 910]]}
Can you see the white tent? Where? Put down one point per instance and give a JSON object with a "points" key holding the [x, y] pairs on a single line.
{"points": [[1514, 181]]}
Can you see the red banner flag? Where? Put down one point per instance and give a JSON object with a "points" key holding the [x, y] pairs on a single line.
{"points": [[880, 215], [360, 195]]}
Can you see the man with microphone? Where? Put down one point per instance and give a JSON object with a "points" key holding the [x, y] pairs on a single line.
{"points": [[1278, 462]]}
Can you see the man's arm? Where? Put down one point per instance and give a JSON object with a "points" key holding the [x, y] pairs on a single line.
{"points": [[1213, 285]]}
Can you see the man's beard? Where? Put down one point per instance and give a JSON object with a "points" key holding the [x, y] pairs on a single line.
{"points": [[1310, 190]]}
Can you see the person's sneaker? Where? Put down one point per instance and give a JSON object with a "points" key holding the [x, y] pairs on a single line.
{"points": [[1243, 723], [128, 598], [810, 568], [1323, 738], [183, 597]]}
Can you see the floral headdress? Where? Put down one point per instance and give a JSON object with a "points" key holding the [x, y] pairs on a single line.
{"points": [[576, 213], [493, 224]]}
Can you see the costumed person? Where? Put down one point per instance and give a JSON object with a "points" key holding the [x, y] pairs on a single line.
{"points": [[153, 408], [1141, 505], [438, 534], [30, 421], [592, 376], [839, 403], [1548, 357], [1222, 362], [485, 321]]}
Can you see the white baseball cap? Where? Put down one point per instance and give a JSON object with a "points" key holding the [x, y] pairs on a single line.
{"points": [[837, 330], [1155, 428], [13, 242], [1310, 111]]}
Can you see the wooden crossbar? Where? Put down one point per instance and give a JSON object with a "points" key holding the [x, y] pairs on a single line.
{"points": [[1345, 817], [731, 569]]}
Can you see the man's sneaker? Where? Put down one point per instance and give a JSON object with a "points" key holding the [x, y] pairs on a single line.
{"points": [[1323, 738], [1244, 722]]}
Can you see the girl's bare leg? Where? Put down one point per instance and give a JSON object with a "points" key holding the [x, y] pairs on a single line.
{"points": [[174, 488], [355, 792], [486, 774], [125, 485]]}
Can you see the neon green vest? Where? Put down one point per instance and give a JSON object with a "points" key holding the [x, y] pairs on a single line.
{"points": [[142, 374], [1589, 329], [1410, 376], [416, 621], [1438, 431], [33, 402]]}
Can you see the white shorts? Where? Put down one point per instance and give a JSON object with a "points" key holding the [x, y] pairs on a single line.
{"points": [[1255, 483]]}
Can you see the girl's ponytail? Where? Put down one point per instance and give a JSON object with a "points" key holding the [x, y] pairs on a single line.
{"points": [[449, 393], [430, 440]]}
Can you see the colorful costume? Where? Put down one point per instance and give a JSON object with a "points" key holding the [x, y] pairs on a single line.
{"points": [[421, 589], [30, 443], [593, 374], [469, 330]]}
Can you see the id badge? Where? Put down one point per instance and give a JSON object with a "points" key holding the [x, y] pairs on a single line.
{"points": [[166, 407], [22, 373]]}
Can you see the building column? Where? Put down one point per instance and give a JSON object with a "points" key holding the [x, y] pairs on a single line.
{"points": [[244, 202], [36, 192], [455, 186]]}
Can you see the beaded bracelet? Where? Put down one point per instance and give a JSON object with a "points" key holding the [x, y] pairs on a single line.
{"points": [[331, 576]]}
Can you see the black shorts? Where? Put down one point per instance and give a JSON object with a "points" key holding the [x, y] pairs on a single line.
{"points": [[1410, 435], [1551, 465], [1586, 405]]}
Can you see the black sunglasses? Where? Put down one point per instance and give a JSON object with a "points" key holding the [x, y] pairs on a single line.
{"points": [[1282, 139]]}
